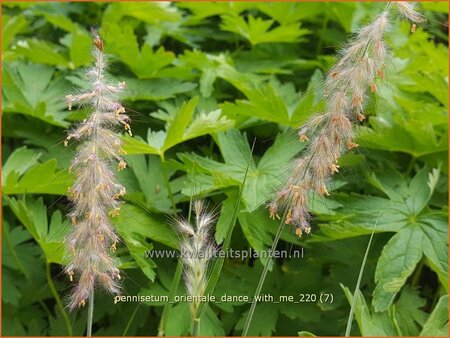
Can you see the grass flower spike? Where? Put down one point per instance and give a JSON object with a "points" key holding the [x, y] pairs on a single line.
{"points": [[197, 249], [96, 192], [331, 133]]}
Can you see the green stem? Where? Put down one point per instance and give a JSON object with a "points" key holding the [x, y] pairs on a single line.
{"points": [[90, 314], [263, 276], [168, 307], [13, 252], [196, 327], [130, 321], [358, 282], [167, 182], [57, 299]]}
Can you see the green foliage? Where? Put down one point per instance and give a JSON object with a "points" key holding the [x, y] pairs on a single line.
{"points": [[28, 89], [215, 92]]}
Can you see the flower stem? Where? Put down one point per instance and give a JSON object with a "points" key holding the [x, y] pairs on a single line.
{"points": [[130, 321], [168, 307], [57, 299], [358, 282], [196, 327], [263, 276], [90, 314]]}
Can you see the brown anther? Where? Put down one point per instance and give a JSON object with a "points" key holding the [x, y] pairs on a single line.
{"points": [[298, 232], [288, 217], [122, 165], [413, 28], [303, 138], [113, 247], [323, 191], [70, 273], [115, 212], [380, 74], [360, 117], [334, 74], [351, 145], [334, 168], [128, 129], [272, 212], [69, 101], [119, 111], [98, 42], [74, 220], [101, 237], [82, 303], [373, 87], [66, 141], [357, 99]]}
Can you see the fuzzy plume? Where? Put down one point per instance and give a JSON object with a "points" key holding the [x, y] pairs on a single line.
{"points": [[197, 249], [96, 192], [330, 133]]}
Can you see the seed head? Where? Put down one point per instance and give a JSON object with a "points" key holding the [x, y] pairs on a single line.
{"points": [[95, 192], [331, 133], [408, 11], [197, 249]]}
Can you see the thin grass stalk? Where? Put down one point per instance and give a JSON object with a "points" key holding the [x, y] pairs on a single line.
{"points": [[196, 327], [58, 299], [262, 279], [358, 282], [90, 315], [168, 307], [125, 331]]}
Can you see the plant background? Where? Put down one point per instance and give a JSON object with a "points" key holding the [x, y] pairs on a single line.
{"points": [[204, 80]]}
